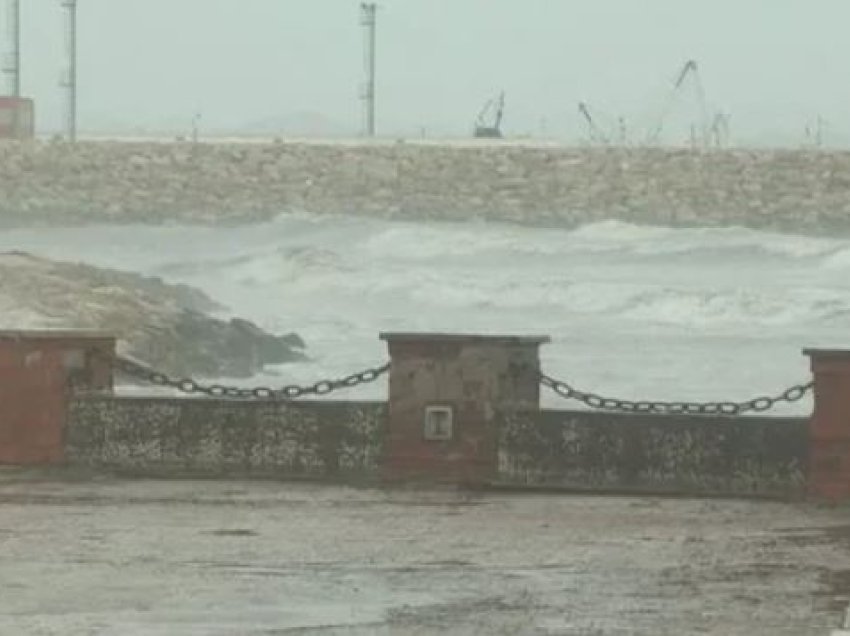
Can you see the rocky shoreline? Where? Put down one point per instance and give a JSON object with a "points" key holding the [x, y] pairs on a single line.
{"points": [[170, 327], [799, 191]]}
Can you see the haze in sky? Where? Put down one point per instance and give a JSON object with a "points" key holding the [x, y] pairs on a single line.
{"points": [[774, 66]]}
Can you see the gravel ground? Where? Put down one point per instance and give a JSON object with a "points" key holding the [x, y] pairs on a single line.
{"points": [[94, 555]]}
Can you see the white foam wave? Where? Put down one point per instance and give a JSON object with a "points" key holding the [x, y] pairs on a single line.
{"points": [[629, 307]]}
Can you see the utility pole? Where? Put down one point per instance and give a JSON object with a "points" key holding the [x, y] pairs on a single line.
{"points": [[814, 135], [196, 122], [69, 80], [368, 20], [12, 65]]}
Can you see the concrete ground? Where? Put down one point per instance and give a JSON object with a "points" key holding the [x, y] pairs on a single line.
{"points": [[96, 555]]}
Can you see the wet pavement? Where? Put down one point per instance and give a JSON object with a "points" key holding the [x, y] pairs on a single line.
{"points": [[96, 555]]}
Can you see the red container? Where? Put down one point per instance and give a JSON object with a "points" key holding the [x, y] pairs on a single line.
{"points": [[17, 118]]}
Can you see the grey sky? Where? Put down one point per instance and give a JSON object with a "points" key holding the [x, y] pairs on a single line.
{"points": [[773, 65]]}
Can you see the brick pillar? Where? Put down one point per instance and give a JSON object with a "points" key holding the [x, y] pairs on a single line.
{"points": [[829, 428], [37, 369], [445, 393]]}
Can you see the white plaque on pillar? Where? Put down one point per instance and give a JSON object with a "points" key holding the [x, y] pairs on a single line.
{"points": [[439, 422]]}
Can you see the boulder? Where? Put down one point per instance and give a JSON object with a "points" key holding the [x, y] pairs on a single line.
{"points": [[167, 326]]}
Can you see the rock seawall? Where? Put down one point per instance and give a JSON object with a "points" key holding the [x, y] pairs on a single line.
{"points": [[793, 190], [167, 326]]}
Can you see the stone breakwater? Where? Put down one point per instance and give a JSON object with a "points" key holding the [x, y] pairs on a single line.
{"points": [[167, 326], [95, 182]]}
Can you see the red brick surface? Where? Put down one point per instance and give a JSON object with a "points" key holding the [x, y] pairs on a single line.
{"points": [[32, 407], [476, 377], [829, 430], [34, 384]]}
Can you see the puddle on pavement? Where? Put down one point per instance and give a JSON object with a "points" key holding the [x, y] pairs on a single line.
{"points": [[232, 532], [833, 594]]}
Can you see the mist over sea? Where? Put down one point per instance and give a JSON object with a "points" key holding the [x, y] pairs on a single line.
{"points": [[637, 312]]}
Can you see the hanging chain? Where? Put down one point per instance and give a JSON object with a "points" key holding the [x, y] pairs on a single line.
{"points": [[598, 402], [290, 392], [592, 400]]}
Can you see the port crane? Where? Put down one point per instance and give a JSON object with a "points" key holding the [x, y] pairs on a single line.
{"points": [[596, 133], [488, 124], [689, 70], [710, 129], [719, 130]]}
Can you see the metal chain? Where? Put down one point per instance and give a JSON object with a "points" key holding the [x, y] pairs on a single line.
{"points": [[598, 402], [592, 400], [290, 392]]}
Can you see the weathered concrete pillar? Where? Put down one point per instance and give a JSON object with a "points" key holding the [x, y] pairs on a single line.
{"points": [[445, 392], [829, 430], [36, 370]]}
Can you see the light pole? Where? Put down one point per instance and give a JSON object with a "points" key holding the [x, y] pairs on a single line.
{"points": [[12, 65], [69, 81], [368, 19]]}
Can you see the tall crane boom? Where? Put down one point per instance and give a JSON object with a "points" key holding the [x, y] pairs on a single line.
{"points": [[493, 129], [595, 133], [689, 67], [689, 70]]}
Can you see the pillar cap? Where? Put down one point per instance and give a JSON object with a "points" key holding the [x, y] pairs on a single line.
{"points": [[459, 337], [827, 353]]}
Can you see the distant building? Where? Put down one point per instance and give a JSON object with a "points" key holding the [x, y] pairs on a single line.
{"points": [[17, 118]]}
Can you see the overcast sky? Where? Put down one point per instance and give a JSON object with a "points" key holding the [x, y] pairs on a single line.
{"points": [[773, 65]]}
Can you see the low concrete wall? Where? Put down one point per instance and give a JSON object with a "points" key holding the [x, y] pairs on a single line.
{"points": [[749, 456], [197, 437], [794, 190], [345, 441]]}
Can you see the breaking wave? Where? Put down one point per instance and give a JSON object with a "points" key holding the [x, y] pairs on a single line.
{"points": [[687, 313]]}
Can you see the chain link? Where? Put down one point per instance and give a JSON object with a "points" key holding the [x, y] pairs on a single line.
{"points": [[324, 387], [598, 402], [290, 392]]}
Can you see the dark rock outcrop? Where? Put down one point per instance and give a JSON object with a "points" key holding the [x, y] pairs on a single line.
{"points": [[166, 326]]}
